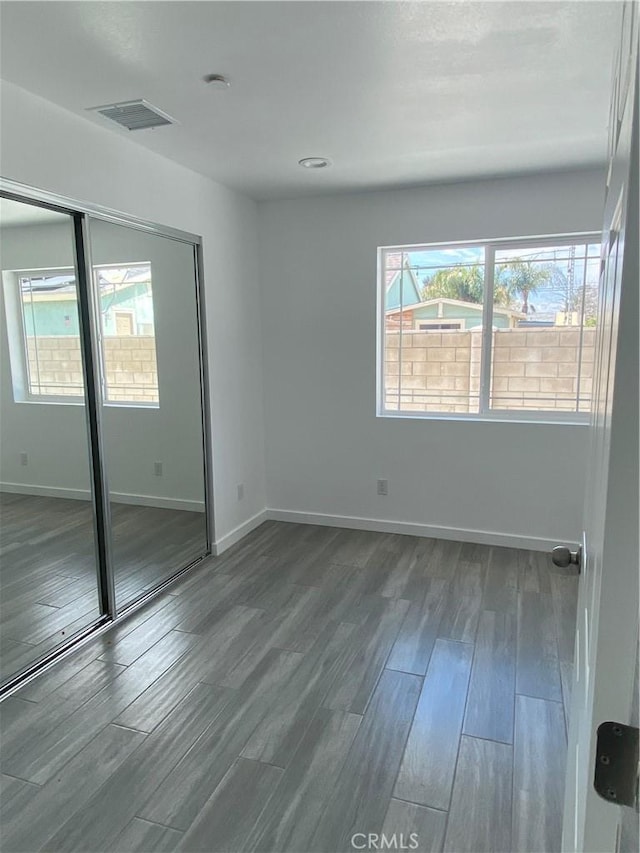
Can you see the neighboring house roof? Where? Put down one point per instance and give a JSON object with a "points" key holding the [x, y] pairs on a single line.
{"points": [[458, 303], [410, 285], [393, 262], [133, 274]]}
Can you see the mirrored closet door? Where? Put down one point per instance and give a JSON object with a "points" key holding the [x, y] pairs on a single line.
{"points": [[103, 472], [151, 403], [48, 559]]}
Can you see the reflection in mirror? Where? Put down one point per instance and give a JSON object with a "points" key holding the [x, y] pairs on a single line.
{"points": [[48, 569], [152, 411]]}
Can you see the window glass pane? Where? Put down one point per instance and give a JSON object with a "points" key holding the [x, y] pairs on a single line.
{"points": [[542, 358], [129, 343], [433, 329], [540, 348], [51, 334]]}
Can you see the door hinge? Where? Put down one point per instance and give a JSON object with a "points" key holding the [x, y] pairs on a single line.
{"points": [[616, 772]]}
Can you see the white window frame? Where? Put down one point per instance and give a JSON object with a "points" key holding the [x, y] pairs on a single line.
{"points": [[485, 413], [17, 337]]}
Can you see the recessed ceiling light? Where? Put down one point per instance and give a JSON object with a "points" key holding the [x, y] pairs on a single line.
{"points": [[217, 81], [314, 162]]}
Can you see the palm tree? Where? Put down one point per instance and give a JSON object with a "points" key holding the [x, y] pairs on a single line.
{"points": [[465, 283], [514, 282], [521, 279]]}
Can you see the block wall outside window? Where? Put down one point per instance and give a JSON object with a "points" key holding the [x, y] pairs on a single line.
{"points": [[131, 372], [531, 370], [534, 356]]}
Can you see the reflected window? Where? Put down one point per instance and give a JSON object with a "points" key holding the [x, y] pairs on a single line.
{"points": [[48, 326], [51, 337], [128, 334]]}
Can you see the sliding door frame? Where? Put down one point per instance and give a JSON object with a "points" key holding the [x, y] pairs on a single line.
{"points": [[81, 213], [93, 407]]}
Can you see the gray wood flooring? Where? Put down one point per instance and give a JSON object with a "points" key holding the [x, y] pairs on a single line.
{"points": [[48, 571], [308, 686]]}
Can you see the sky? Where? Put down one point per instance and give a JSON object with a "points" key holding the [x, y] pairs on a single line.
{"points": [[546, 301]]}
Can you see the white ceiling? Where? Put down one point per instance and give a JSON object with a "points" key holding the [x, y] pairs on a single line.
{"points": [[395, 93]]}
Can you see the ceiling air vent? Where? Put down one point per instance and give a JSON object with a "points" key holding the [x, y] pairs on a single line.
{"points": [[134, 115]]}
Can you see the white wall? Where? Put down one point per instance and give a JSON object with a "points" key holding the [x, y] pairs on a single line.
{"points": [[325, 445], [52, 149], [135, 437]]}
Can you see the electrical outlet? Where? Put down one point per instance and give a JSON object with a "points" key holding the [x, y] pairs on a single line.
{"points": [[24, 458], [157, 469], [240, 491], [383, 487]]}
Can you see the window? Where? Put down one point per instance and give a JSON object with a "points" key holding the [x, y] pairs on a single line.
{"points": [[47, 302], [497, 329], [47, 363], [128, 337], [434, 326]]}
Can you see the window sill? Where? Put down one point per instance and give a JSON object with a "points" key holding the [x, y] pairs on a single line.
{"points": [[514, 418], [81, 404]]}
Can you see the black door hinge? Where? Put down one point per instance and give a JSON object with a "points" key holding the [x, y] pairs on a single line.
{"points": [[616, 772]]}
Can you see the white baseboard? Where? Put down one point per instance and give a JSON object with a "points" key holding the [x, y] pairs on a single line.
{"points": [[116, 497], [235, 535], [161, 503], [456, 534], [45, 491]]}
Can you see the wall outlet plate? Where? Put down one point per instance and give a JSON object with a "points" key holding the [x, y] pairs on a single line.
{"points": [[383, 487]]}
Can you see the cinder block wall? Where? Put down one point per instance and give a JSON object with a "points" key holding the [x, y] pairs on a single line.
{"points": [[440, 371], [130, 366]]}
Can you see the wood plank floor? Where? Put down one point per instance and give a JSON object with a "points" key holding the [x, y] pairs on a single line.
{"points": [[48, 570], [306, 686]]}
